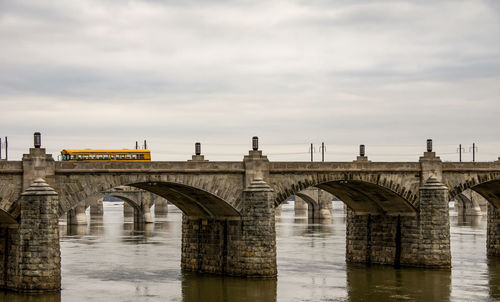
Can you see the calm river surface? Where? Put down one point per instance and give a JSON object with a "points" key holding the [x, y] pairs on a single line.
{"points": [[109, 261]]}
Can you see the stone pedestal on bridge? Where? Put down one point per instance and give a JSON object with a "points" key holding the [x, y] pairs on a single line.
{"points": [[32, 251], [244, 246]]}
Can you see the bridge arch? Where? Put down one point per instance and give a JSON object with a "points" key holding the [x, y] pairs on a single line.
{"points": [[7, 219], [487, 185], [364, 194], [195, 195]]}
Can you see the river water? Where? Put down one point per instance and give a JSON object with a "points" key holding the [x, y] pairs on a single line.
{"points": [[108, 261]]}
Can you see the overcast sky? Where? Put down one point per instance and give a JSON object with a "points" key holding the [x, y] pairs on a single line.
{"points": [[387, 74]]}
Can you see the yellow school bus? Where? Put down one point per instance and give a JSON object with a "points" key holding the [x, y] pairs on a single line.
{"points": [[106, 155]]}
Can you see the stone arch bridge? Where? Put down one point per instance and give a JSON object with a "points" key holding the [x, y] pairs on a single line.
{"points": [[398, 211]]}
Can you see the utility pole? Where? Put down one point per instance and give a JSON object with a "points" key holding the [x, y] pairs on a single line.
{"points": [[473, 152], [145, 145], [474, 149], [0, 148], [322, 160], [6, 149], [323, 152], [136, 145], [460, 149], [312, 152]]}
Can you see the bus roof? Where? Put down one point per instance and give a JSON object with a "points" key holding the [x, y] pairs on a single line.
{"points": [[105, 151]]}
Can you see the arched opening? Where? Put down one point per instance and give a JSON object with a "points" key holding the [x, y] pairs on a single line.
{"points": [[468, 208], [366, 198], [379, 221], [474, 197], [191, 201]]}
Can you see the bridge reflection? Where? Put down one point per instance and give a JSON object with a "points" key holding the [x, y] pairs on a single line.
{"points": [[380, 283], [196, 287]]}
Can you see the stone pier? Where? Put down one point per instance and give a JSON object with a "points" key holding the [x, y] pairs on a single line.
{"points": [[470, 203], [239, 246], [317, 202], [422, 241], [493, 231], [300, 207], [128, 210], [77, 216], [31, 252], [161, 207], [96, 208]]}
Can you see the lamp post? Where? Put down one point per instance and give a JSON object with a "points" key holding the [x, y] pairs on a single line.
{"points": [[38, 140]]}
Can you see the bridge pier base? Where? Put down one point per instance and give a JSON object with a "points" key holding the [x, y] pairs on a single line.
{"points": [[32, 261], [240, 246], [161, 208], [300, 206], [77, 216], [317, 202], [422, 241], [146, 213], [97, 209], [128, 210]]}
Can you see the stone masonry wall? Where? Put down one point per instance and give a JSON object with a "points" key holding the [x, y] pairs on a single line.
{"points": [[410, 241], [5, 239], [434, 248], [357, 238], [372, 239], [203, 245], [256, 251], [422, 241], [244, 246], [34, 261], [493, 234]]}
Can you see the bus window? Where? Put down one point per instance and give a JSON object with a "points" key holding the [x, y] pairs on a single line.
{"points": [[134, 156], [112, 156], [85, 156], [128, 156], [141, 156], [123, 156], [92, 156], [80, 157], [99, 156], [106, 157]]}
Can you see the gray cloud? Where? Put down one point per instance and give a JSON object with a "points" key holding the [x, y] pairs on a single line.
{"points": [[90, 73]]}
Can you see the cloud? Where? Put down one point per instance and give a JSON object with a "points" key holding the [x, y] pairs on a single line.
{"points": [[345, 72]]}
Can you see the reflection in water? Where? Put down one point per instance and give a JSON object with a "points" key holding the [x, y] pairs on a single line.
{"points": [[207, 288], [13, 297], [494, 278], [382, 283], [78, 230], [114, 261], [469, 220], [96, 226]]}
